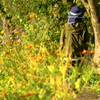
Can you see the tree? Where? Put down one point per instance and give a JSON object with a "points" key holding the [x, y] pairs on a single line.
{"points": [[16, 13], [93, 9]]}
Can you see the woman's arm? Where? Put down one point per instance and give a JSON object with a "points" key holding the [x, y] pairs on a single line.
{"points": [[62, 38]]}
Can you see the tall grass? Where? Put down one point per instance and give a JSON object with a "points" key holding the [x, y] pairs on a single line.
{"points": [[31, 67]]}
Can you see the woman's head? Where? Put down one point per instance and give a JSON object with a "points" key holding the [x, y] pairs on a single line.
{"points": [[75, 14]]}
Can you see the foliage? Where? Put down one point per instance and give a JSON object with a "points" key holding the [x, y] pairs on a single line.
{"points": [[30, 63]]}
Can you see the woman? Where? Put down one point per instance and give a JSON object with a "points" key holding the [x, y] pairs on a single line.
{"points": [[74, 36], [74, 39]]}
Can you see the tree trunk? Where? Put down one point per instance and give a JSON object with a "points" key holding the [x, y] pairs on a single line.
{"points": [[93, 10], [95, 20], [96, 28], [5, 27]]}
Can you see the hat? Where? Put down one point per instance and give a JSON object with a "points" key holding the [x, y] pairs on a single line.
{"points": [[74, 14]]}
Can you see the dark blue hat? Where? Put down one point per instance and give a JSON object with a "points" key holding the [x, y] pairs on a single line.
{"points": [[75, 13]]}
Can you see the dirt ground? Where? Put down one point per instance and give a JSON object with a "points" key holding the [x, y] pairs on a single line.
{"points": [[89, 94]]}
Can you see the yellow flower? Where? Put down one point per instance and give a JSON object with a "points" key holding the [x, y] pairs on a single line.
{"points": [[6, 53], [21, 52], [16, 32], [24, 33], [57, 50], [69, 64], [40, 58], [19, 85], [25, 71], [32, 92], [96, 76], [38, 82], [92, 52], [14, 49], [32, 69], [30, 55], [11, 78], [12, 55], [84, 51], [3, 94], [31, 28], [48, 78], [2, 31], [79, 74], [31, 15], [0, 59], [28, 94], [15, 42], [26, 51], [21, 64], [30, 45], [18, 68], [54, 64], [34, 77]]}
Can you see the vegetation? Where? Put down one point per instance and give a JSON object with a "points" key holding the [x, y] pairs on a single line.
{"points": [[31, 67]]}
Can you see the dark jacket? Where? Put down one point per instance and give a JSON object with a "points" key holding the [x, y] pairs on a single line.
{"points": [[74, 39]]}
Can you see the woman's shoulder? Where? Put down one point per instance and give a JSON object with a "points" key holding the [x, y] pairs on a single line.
{"points": [[67, 25], [70, 26]]}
